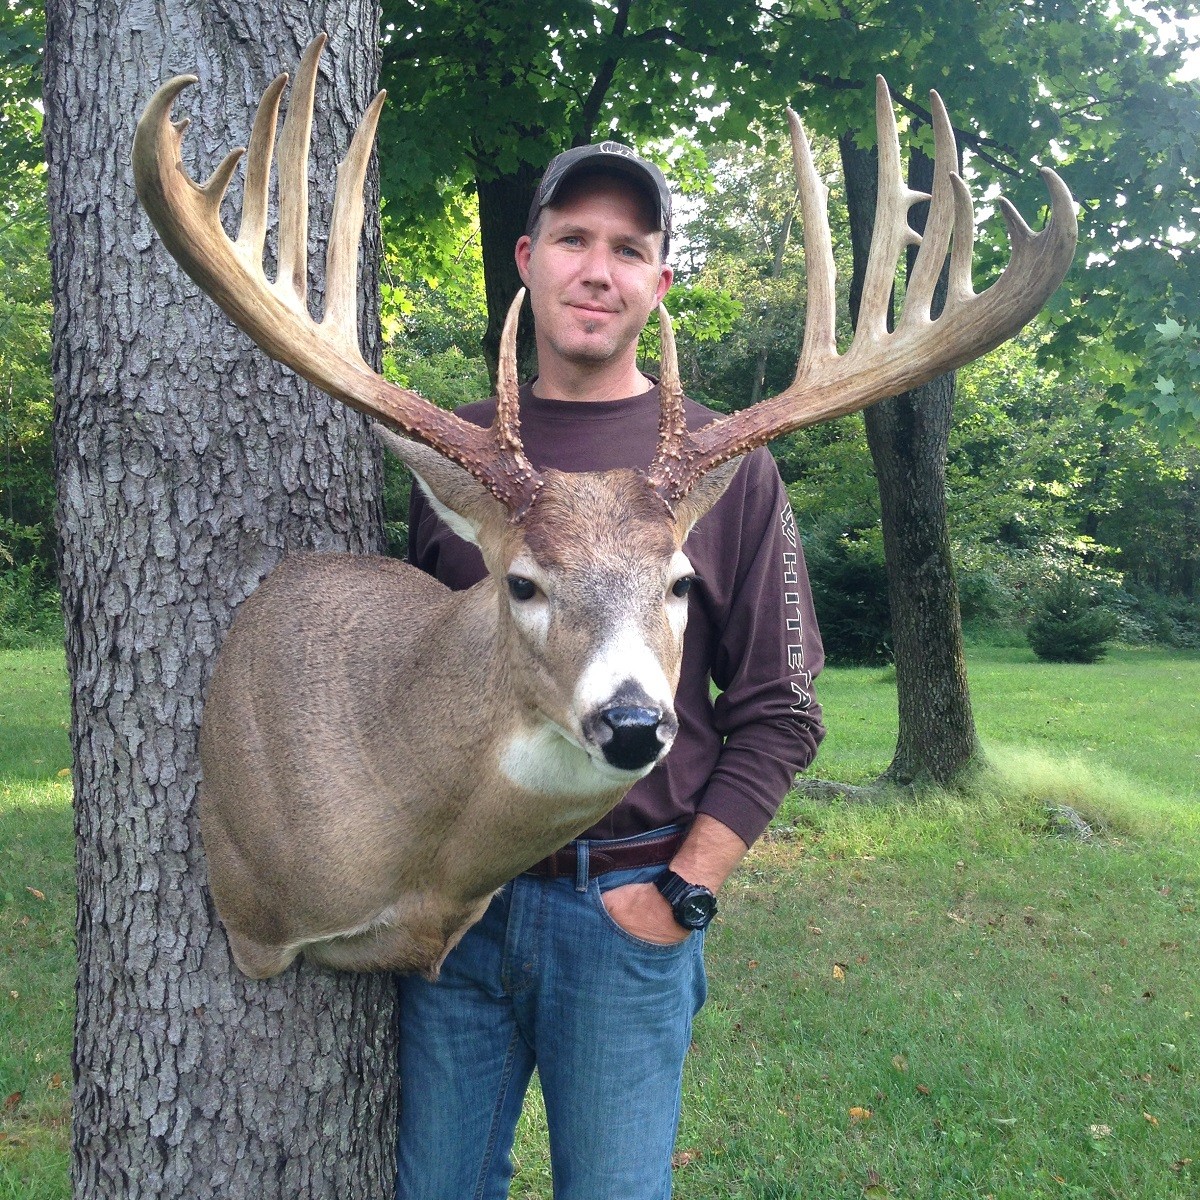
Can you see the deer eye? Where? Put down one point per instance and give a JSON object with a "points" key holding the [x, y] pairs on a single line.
{"points": [[520, 588], [681, 587]]}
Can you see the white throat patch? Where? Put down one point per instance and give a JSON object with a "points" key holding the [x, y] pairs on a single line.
{"points": [[542, 760]]}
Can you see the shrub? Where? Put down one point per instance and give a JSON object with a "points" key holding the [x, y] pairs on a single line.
{"points": [[1163, 620], [1069, 624], [30, 613], [849, 583]]}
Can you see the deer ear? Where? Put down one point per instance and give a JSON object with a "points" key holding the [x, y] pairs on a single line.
{"points": [[457, 496], [704, 494]]}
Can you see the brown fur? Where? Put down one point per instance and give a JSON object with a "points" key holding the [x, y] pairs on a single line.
{"points": [[354, 807]]}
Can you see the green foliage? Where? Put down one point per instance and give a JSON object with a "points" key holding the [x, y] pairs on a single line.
{"points": [[1043, 478], [30, 612], [26, 392], [482, 90], [1069, 623], [22, 31], [849, 584], [1090, 87]]}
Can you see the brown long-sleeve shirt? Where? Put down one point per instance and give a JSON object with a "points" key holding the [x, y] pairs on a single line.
{"points": [[751, 627]]}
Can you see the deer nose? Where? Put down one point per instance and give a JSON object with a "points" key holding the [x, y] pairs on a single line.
{"points": [[634, 742]]}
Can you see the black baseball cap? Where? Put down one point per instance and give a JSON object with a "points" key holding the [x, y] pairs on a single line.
{"points": [[609, 157]]}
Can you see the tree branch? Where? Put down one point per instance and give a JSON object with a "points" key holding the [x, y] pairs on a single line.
{"points": [[590, 109]]}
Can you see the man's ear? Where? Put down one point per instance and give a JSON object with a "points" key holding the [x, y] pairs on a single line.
{"points": [[457, 496], [521, 253], [707, 490]]}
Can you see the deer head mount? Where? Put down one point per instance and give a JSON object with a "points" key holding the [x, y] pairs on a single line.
{"points": [[368, 825]]}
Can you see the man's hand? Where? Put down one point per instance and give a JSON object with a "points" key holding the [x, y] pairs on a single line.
{"points": [[640, 910], [710, 852]]}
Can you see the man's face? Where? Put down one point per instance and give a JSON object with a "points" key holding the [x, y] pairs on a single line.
{"points": [[594, 274]]}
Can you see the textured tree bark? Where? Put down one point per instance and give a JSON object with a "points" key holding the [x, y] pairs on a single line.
{"points": [[187, 465], [504, 202], [908, 437]]}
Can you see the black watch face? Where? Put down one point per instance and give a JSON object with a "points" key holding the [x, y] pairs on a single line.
{"points": [[695, 911]]}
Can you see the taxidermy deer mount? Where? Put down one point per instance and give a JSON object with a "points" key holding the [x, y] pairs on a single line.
{"points": [[380, 754]]}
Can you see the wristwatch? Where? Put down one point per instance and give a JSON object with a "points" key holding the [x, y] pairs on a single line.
{"points": [[693, 905]]}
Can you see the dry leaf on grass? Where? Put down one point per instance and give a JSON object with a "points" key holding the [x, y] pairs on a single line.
{"points": [[35, 893], [858, 1113], [876, 1189]]}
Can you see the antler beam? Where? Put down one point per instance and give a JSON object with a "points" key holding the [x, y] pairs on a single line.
{"points": [[275, 314], [881, 362]]}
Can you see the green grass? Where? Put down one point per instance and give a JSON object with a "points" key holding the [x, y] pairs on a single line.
{"points": [[1019, 1014], [37, 924]]}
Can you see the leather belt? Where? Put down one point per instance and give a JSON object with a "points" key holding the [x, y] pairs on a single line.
{"points": [[650, 852]]}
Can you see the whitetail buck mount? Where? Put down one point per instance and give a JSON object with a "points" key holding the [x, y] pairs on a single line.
{"points": [[379, 753]]}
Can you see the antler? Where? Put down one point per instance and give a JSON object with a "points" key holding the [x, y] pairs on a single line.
{"points": [[879, 362], [275, 315]]}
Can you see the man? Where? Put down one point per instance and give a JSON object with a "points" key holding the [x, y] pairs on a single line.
{"points": [[589, 966]]}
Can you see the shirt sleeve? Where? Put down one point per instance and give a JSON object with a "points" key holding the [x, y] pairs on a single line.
{"points": [[767, 655]]}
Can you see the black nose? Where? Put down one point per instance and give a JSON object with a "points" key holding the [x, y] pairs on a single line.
{"points": [[635, 741]]}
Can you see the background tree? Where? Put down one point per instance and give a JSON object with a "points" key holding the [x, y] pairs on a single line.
{"points": [[486, 94], [187, 465], [1047, 60], [1078, 80]]}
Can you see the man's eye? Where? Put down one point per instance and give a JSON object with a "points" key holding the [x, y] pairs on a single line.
{"points": [[520, 588], [681, 587]]}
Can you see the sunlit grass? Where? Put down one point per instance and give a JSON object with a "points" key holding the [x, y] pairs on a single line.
{"points": [[1018, 1012]]}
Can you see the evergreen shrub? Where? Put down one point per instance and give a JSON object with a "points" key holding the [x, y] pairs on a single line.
{"points": [[849, 584], [1069, 623]]}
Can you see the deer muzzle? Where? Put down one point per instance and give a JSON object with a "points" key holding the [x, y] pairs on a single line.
{"points": [[632, 737]]}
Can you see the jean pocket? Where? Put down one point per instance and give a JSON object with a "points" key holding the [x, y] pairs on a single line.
{"points": [[663, 949]]}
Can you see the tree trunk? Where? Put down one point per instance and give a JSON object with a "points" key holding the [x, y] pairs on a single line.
{"points": [[908, 437], [504, 202], [187, 465], [781, 245]]}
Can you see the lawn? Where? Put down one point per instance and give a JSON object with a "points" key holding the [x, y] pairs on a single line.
{"points": [[939, 998]]}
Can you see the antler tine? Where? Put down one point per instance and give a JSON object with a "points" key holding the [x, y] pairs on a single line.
{"points": [[940, 223], [252, 234], [341, 254], [506, 425], [188, 219], [881, 363], [668, 459], [891, 232], [820, 324], [293, 174]]}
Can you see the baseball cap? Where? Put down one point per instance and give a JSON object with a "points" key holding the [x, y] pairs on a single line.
{"points": [[604, 156]]}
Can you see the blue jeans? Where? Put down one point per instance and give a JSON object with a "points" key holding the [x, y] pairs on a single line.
{"points": [[548, 979]]}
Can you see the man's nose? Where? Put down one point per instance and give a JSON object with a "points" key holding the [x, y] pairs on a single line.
{"points": [[596, 266]]}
